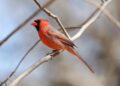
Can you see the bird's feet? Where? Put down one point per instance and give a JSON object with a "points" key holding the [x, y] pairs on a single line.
{"points": [[53, 51]]}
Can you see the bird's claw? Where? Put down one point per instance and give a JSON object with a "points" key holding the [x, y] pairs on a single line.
{"points": [[53, 53]]}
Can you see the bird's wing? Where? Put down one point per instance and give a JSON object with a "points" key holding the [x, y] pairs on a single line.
{"points": [[60, 36]]}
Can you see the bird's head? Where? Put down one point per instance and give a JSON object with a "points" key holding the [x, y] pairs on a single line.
{"points": [[40, 24]]}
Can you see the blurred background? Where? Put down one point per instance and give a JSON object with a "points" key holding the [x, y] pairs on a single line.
{"points": [[99, 45]]}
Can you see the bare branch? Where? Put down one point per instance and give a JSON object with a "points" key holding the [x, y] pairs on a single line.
{"points": [[4, 82], [53, 16], [81, 25], [25, 22], [95, 16], [114, 20], [47, 58], [33, 67]]}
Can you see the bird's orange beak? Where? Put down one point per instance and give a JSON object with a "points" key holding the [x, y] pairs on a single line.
{"points": [[34, 24]]}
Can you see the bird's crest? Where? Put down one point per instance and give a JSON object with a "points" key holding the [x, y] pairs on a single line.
{"points": [[43, 23]]}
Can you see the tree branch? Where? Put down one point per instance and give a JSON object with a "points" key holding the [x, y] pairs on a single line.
{"points": [[47, 58], [18, 65]]}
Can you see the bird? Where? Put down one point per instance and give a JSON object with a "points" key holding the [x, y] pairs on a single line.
{"points": [[56, 40]]}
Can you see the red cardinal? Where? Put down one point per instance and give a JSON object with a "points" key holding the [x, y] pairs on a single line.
{"points": [[54, 39]]}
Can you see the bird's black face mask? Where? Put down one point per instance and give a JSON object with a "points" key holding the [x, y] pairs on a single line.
{"points": [[37, 26]]}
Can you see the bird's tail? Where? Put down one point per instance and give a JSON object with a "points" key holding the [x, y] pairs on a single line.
{"points": [[73, 51]]}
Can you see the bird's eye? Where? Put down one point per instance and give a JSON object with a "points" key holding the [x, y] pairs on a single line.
{"points": [[36, 20]]}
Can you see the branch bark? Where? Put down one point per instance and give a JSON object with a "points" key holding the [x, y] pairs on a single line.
{"points": [[47, 58]]}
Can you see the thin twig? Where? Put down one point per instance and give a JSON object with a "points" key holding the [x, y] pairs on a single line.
{"points": [[73, 27], [47, 58], [3, 82], [53, 16], [113, 19], [25, 22], [31, 68], [81, 25]]}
